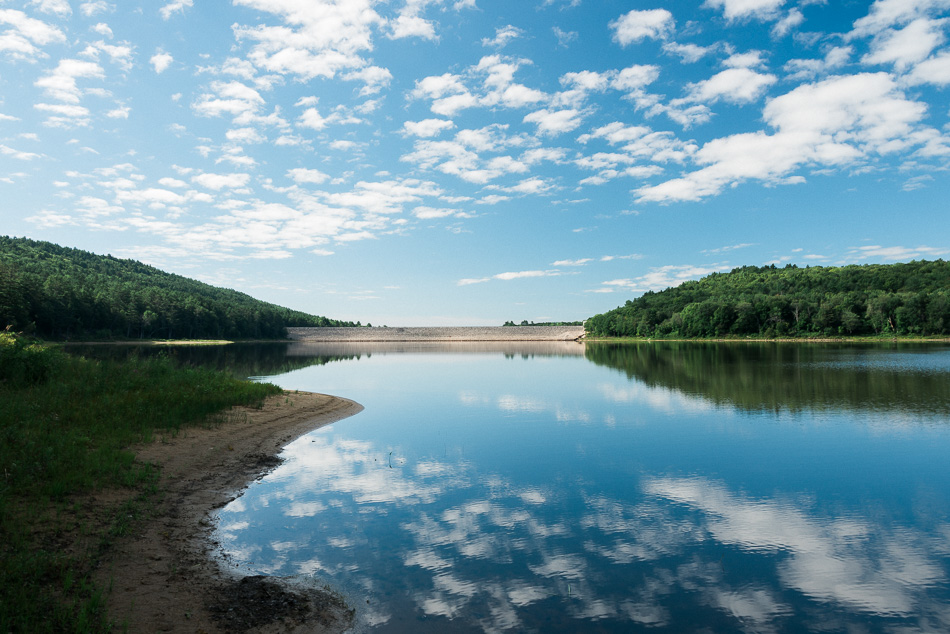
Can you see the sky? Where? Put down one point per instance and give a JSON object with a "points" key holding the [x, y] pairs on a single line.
{"points": [[468, 162]]}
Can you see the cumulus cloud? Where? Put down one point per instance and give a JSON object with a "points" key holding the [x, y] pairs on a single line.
{"points": [[93, 7], [60, 8], [218, 182], [935, 70], [907, 46], [835, 122], [427, 127], [736, 85], [160, 61], [318, 39], [744, 9], [503, 35], [23, 35], [554, 122], [636, 25], [303, 175], [176, 6]]}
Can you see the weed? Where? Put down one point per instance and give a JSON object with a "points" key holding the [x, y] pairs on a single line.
{"points": [[65, 425]]}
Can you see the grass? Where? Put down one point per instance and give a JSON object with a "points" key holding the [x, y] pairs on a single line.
{"points": [[65, 427]]}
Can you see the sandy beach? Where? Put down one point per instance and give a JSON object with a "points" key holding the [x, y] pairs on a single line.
{"points": [[165, 576]]}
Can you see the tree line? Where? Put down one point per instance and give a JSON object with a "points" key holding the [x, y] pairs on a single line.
{"points": [[58, 292], [873, 299]]}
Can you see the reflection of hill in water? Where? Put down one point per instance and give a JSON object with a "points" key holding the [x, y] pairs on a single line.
{"points": [[791, 376], [508, 348], [240, 359]]}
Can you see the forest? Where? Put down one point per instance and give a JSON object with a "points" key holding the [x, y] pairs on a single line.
{"points": [[908, 299], [56, 292]]}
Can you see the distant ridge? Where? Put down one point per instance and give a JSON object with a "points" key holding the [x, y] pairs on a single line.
{"points": [[63, 293], [908, 299]]}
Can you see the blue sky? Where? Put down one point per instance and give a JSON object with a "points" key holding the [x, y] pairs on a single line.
{"points": [[443, 162]]}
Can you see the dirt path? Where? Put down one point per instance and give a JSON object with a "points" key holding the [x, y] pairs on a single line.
{"points": [[164, 578]]}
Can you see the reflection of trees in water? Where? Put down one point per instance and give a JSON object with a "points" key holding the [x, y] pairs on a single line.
{"points": [[775, 377], [242, 360]]}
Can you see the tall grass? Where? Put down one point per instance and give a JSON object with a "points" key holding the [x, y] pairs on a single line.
{"points": [[65, 427]]}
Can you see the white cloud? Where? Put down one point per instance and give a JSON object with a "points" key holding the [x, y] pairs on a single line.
{"points": [[935, 70], [160, 61], [638, 25], [503, 35], [17, 154], [302, 175], [429, 213], [896, 254], [689, 53], [831, 123], [312, 119], [635, 77], [736, 85], [835, 58], [555, 122], [234, 98], [218, 182], [320, 38], [60, 8], [564, 37], [783, 27], [245, 135], [374, 78], [176, 6], [743, 9], [20, 41], [90, 9], [511, 275], [427, 127], [412, 26], [64, 115], [908, 46], [885, 14], [121, 112], [664, 277]]}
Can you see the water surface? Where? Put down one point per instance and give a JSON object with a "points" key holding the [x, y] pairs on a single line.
{"points": [[660, 487]]}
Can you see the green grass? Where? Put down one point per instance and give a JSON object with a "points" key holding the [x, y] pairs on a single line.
{"points": [[65, 427]]}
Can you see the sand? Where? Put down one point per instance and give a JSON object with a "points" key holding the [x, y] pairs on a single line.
{"points": [[166, 575]]}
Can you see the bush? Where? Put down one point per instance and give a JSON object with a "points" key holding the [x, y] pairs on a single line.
{"points": [[23, 362]]}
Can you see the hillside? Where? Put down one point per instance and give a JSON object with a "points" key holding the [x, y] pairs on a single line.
{"points": [[62, 293], [873, 299]]}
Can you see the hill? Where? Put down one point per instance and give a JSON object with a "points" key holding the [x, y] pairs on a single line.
{"points": [[62, 293], [872, 299]]}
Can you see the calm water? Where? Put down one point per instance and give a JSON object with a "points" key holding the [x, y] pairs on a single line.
{"points": [[676, 487]]}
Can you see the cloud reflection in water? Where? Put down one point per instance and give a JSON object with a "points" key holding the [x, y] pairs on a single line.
{"points": [[459, 544]]}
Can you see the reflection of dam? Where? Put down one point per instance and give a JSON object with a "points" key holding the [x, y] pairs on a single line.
{"points": [[509, 348], [500, 333]]}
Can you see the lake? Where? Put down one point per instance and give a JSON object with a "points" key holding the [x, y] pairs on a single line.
{"points": [[742, 487]]}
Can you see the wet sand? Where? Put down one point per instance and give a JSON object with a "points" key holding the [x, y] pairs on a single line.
{"points": [[166, 577]]}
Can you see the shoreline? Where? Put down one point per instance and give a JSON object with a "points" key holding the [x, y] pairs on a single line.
{"points": [[166, 575]]}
